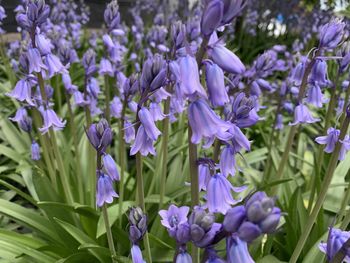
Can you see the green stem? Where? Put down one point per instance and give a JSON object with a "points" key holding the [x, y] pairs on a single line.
{"points": [[107, 94], [76, 149], [122, 163], [165, 139], [320, 154], [293, 129], [345, 203], [321, 197], [64, 177]]}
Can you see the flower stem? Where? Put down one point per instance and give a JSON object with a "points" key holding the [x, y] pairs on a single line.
{"points": [[164, 153], [321, 197], [109, 234], [293, 129], [122, 163], [107, 94]]}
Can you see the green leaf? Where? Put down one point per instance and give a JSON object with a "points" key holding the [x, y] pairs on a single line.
{"points": [[270, 259]]}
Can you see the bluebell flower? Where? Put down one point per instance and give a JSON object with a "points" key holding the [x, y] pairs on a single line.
{"points": [[89, 62], [219, 196], [104, 191], [156, 111], [330, 139], [319, 73], [23, 120], [315, 96], [22, 91], [335, 242], [183, 257], [54, 65], [35, 62], [331, 34], [148, 123], [105, 67], [79, 99], [173, 218], [100, 135], [43, 44], [205, 123], [302, 115], [212, 256], [129, 135], [227, 161], [202, 227], [237, 250], [35, 151], [279, 122], [142, 143], [298, 72], [204, 176], [233, 219], [110, 167], [51, 120], [211, 17], [136, 254], [216, 85], [138, 224], [116, 107]]}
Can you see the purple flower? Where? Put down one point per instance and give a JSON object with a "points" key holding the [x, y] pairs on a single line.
{"points": [[23, 120], [330, 139], [106, 67], [154, 73], [219, 197], [228, 161], [233, 219], [110, 167], [331, 34], [67, 82], [138, 224], [35, 62], [79, 99], [43, 44], [51, 120], [22, 91], [54, 65], [243, 112], [226, 59], [142, 143], [183, 257], [173, 217], [156, 111], [216, 86], [35, 151], [136, 254], [187, 76], [315, 96], [116, 107], [111, 15], [212, 16], [205, 123], [239, 140], [204, 176], [105, 191], [335, 242], [249, 231], [212, 256], [302, 115], [298, 73], [344, 148], [319, 73], [129, 135], [148, 124], [279, 122], [237, 250], [89, 62], [100, 135], [203, 227]]}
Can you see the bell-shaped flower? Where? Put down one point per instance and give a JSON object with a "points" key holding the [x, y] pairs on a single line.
{"points": [[211, 17], [116, 107], [298, 73], [43, 44], [104, 191], [233, 219], [54, 65], [315, 96], [106, 67], [239, 140], [237, 250], [136, 254], [110, 167], [35, 151], [51, 120], [187, 76], [35, 62], [22, 91], [142, 143], [335, 243], [173, 218], [331, 34], [156, 111], [129, 134], [228, 161], [79, 99], [205, 123], [148, 123], [302, 115], [183, 257], [319, 73], [329, 140], [204, 176], [226, 59], [216, 85], [219, 196]]}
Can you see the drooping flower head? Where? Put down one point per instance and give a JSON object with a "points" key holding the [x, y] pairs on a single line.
{"points": [[104, 191], [335, 242]]}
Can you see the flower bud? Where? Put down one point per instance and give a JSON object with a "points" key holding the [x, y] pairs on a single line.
{"points": [[35, 151], [331, 34], [110, 167], [138, 224], [212, 16], [270, 223], [234, 218], [100, 135], [249, 231]]}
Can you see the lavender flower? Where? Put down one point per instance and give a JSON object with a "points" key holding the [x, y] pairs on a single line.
{"points": [[104, 191], [22, 91], [237, 250], [219, 197], [110, 167], [330, 139], [205, 123], [216, 85], [335, 242], [35, 151], [173, 218], [303, 115]]}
